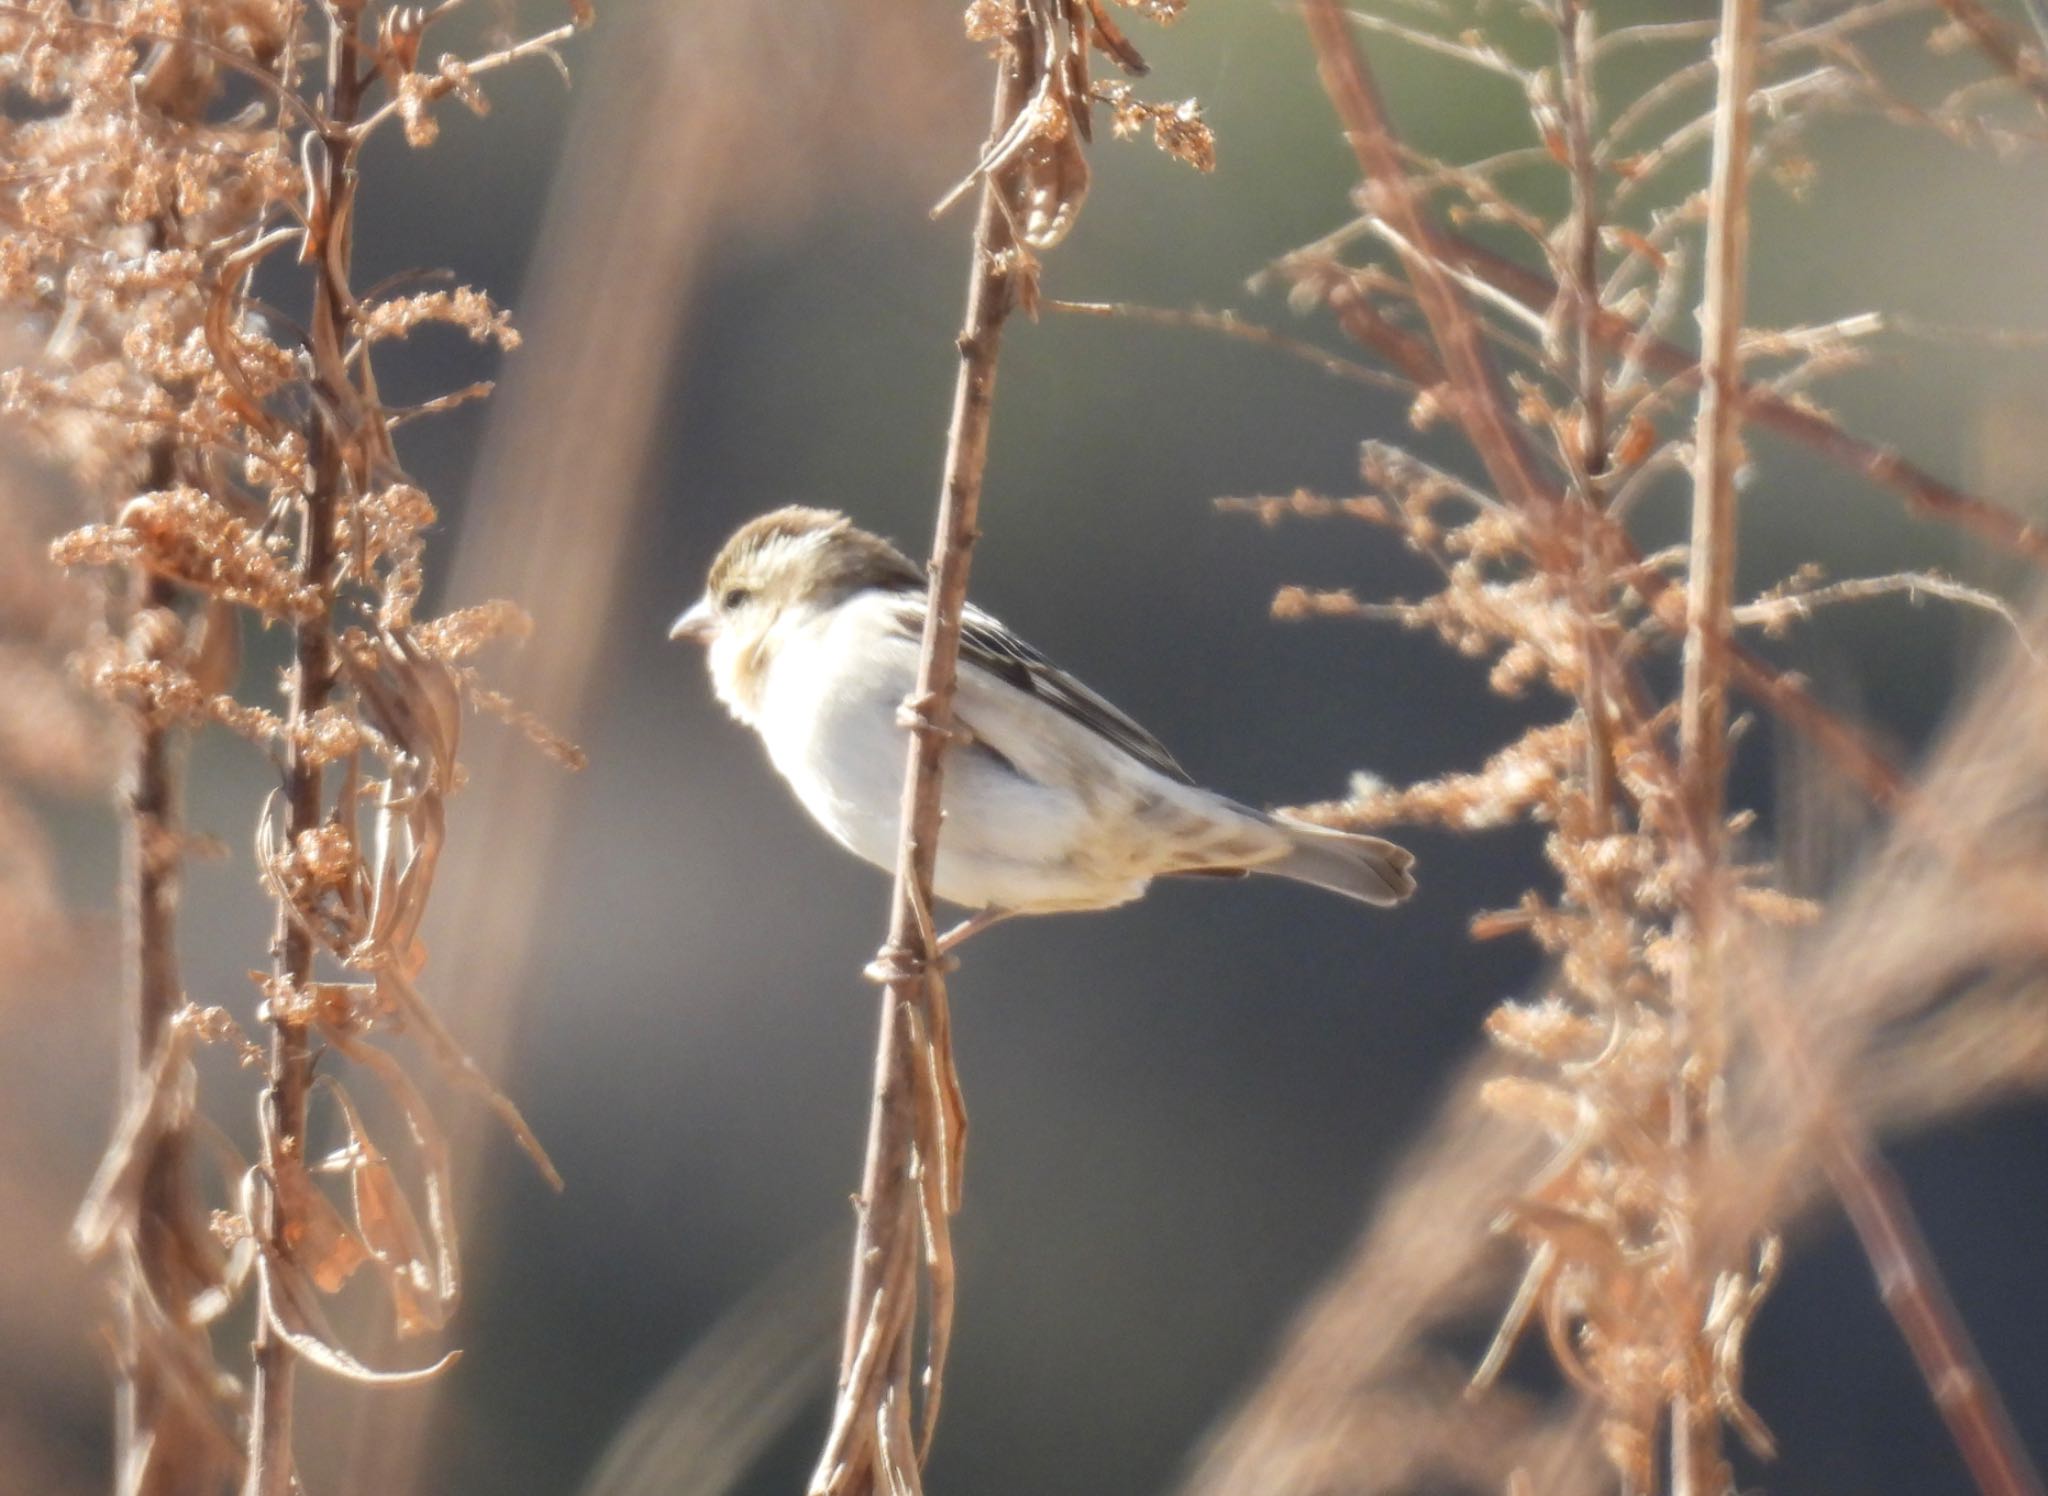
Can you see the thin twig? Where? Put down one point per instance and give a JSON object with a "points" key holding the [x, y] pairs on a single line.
{"points": [[1231, 325], [1479, 407], [448, 81], [1586, 452], [2012, 56], [1909, 1279], [1774, 612], [1880, 465], [315, 670], [1910, 1284], [1697, 1465], [1710, 591], [864, 1453]]}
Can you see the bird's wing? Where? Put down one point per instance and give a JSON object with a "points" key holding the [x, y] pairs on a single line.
{"points": [[985, 642]]}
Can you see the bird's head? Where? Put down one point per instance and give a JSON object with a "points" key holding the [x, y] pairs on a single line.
{"points": [[776, 571]]}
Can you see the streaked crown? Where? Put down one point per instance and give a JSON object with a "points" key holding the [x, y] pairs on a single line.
{"points": [[800, 551]]}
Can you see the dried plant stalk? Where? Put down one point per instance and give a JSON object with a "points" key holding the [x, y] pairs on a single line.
{"points": [[1697, 1465], [273, 1470], [1642, 1280], [248, 466], [1710, 566], [917, 1129], [168, 1427], [1033, 177]]}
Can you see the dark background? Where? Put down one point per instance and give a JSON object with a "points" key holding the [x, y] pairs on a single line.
{"points": [[1181, 1110]]}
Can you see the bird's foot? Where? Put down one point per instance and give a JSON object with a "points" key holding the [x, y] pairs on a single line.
{"points": [[914, 714], [902, 963]]}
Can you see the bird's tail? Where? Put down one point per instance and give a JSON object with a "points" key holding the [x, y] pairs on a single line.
{"points": [[1359, 867]]}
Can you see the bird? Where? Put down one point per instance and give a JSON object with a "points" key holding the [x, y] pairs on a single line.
{"points": [[1054, 801]]}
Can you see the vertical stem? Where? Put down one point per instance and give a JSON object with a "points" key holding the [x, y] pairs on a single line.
{"points": [[1703, 723], [271, 1469], [1575, 53], [291, 1056], [153, 866], [887, 1207], [1472, 388], [1588, 457], [1910, 1284], [1697, 1468], [147, 1447]]}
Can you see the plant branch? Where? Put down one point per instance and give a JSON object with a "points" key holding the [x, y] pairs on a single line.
{"points": [[315, 669], [1231, 325], [2012, 56], [1717, 442], [1586, 450], [1924, 493], [1697, 1465], [165, 1438], [1473, 389], [1911, 1287], [916, 1128], [1908, 1277]]}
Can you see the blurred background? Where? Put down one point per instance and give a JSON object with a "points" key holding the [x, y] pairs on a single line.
{"points": [[719, 247]]}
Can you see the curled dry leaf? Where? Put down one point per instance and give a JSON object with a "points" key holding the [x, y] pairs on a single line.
{"points": [[420, 1267], [322, 1246], [1037, 162], [385, 1222]]}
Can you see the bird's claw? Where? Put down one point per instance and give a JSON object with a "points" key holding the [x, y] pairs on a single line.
{"points": [[902, 963], [914, 714]]}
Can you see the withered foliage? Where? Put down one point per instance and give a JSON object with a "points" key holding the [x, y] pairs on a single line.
{"points": [[160, 156], [1036, 160], [1677, 1086]]}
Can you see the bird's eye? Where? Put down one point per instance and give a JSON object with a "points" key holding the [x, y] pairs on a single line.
{"points": [[734, 597]]}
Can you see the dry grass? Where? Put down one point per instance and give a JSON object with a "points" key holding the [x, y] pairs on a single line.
{"points": [[242, 464], [1689, 1085], [1714, 1051]]}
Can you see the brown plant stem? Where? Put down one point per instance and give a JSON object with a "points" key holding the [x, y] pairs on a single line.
{"points": [[1908, 1278], [1913, 1292], [881, 1307], [1458, 360], [271, 1465], [559, 497], [2012, 56], [1587, 446], [1473, 389], [157, 1447], [1697, 1465], [1924, 493], [153, 864], [1717, 443]]}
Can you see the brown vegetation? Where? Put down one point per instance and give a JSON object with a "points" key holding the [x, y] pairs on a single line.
{"points": [[244, 462], [1717, 1049]]}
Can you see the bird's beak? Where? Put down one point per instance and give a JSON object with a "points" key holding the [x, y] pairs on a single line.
{"points": [[699, 625]]}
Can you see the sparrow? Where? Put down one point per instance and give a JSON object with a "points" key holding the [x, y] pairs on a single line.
{"points": [[1054, 800]]}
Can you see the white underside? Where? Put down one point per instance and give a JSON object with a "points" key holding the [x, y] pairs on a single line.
{"points": [[1047, 815]]}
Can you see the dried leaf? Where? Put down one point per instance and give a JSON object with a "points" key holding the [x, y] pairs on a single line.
{"points": [[320, 1241]]}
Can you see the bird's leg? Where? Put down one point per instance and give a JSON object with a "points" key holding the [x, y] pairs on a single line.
{"points": [[900, 961], [914, 714], [973, 925]]}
